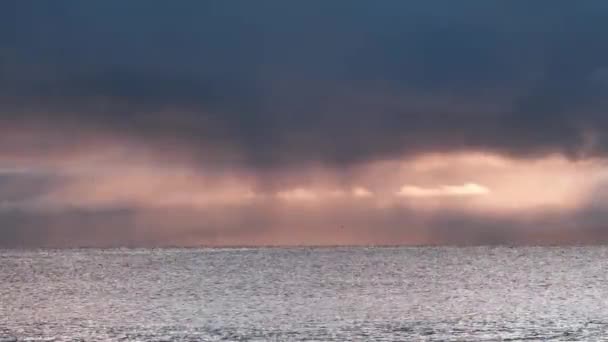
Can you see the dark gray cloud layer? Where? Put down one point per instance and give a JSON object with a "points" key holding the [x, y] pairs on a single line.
{"points": [[284, 84], [338, 83]]}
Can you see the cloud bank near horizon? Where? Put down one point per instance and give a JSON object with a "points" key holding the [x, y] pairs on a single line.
{"points": [[239, 123]]}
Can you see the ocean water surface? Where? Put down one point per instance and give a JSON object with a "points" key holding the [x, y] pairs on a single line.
{"points": [[305, 294]]}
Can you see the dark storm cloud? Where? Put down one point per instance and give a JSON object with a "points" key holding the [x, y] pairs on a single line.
{"points": [[281, 87], [335, 82]]}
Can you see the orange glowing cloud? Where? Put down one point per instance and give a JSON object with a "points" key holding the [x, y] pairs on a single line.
{"points": [[103, 171], [113, 177], [398, 201], [467, 189]]}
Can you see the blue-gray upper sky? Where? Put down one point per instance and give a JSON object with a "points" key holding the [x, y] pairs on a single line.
{"points": [[266, 87]]}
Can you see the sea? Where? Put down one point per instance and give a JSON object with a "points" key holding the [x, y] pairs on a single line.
{"points": [[305, 294]]}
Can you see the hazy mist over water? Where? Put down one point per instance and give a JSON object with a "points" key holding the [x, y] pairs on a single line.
{"points": [[305, 294]]}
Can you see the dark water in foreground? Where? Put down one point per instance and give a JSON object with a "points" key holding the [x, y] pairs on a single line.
{"points": [[341, 294]]}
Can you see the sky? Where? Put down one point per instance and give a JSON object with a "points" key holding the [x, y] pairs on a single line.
{"points": [[249, 123]]}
